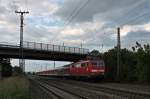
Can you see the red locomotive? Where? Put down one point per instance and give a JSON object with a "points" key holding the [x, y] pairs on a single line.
{"points": [[85, 68]]}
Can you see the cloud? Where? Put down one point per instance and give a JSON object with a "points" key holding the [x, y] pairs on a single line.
{"points": [[147, 27], [138, 34], [71, 32], [128, 28], [135, 28], [95, 25], [99, 21], [46, 20], [141, 36], [39, 12], [99, 9]]}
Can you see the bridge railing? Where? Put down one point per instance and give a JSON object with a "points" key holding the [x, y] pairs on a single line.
{"points": [[56, 48]]}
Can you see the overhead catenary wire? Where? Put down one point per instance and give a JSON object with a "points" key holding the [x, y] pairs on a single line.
{"points": [[132, 41], [74, 14], [135, 18], [130, 12], [83, 6], [78, 11], [71, 15], [73, 11]]}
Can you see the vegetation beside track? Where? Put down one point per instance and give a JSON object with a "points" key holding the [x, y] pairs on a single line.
{"points": [[135, 63], [15, 87]]}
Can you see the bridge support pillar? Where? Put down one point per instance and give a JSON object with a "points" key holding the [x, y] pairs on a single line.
{"points": [[22, 64]]}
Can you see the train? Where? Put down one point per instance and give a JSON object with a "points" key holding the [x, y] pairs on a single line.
{"points": [[89, 68]]}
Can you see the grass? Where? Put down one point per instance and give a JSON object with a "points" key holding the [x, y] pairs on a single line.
{"points": [[17, 87]]}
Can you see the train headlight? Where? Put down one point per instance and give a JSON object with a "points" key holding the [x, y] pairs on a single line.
{"points": [[94, 70]]}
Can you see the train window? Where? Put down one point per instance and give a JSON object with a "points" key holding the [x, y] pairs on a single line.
{"points": [[83, 64], [94, 63], [78, 65], [101, 63], [98, 63], [72, 66]]}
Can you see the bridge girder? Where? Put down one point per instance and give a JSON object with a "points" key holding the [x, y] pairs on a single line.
{"points": [[13, 52]]}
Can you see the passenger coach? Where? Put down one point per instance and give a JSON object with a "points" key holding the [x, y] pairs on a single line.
{"points": [[81, 69]]}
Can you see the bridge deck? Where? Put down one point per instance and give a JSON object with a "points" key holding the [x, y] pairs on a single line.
{"points": [[32, 50]]}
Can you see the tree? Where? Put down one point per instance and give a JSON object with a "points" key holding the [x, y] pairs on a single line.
{"points": [[110, 58], [135, 63], [6, 67], [96, 54], [17, 70], [143, 66], [128, 65]]}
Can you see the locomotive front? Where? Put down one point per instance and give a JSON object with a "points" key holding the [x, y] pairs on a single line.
{"points": [[96, 68]]}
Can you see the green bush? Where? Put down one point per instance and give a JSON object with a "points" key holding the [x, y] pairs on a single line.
{"points": [[17, 71], [135, 65], [15, 88], [6, 70]]}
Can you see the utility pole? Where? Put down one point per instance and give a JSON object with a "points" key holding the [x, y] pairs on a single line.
{"points": [[21, 60], [118, 54], [41, 67], [81, 44], [54, 64]]}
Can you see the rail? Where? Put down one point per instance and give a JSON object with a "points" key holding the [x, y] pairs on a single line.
{"points": [[52, 91]]}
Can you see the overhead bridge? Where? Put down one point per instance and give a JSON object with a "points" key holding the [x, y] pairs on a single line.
{"points": [[41, 51]]}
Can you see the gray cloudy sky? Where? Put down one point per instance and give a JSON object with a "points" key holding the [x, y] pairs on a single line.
{"points": [[91, 22]]}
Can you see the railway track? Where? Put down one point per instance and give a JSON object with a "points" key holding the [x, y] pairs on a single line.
{"points": [[90, 94], [123, 92], [129, 94], [54, 92], [84, 90]]}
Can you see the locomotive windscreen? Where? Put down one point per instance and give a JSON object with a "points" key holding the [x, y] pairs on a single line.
{"points": [[98, 63]]}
